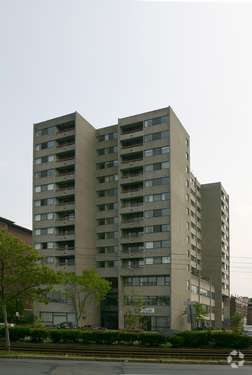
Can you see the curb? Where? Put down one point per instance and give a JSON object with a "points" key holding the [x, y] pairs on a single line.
{"points": [[106, 359]]}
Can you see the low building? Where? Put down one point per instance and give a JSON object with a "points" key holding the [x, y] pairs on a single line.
{"points": [[249, 312], [239, 305], [22, 233]]}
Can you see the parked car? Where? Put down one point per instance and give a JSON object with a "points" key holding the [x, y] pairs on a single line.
{"points": [[11, 325], [66, 325]]}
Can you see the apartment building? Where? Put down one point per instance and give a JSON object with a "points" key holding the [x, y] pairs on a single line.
{"points": [[123, 199]]}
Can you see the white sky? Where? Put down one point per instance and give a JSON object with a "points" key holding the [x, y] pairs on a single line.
{"points": [[112, 58]]}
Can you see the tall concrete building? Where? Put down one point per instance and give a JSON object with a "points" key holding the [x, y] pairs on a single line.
{"points": [[122, 199]]}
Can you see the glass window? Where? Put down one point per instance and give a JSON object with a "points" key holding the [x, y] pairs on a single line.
{"points": [[37, 189], [166, 260], [148, 152], [50, 245], [50, 144], [149, 260], [165, 150], [37, 217], [51, 158], [50, 216], [50, 187], [149, 245], [37, 246]]}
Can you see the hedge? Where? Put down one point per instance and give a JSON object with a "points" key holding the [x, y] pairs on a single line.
{"points": [[107, 337], [210, 338], [187, 339]]}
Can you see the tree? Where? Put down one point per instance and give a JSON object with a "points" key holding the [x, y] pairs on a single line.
{"points": [[82, 289], [133, 318], [236, 322], [22, 276], [200, 314]]}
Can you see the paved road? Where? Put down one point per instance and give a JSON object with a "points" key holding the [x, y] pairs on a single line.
{"points": [[57, 367]]}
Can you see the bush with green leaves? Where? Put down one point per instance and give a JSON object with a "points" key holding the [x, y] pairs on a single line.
{"points": [[210, 338]]}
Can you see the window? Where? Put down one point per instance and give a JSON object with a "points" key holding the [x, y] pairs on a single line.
{"points": [[156, 136], [156, 182], [149, 260], [46, 131], [51, 158], [156, 121], [147, 281], [50, 187], [156, 197], [156, 244], [156, 213], [156, 166], [107, 137], [157, 228], [157, 151]]}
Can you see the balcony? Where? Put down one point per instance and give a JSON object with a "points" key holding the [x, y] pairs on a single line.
{"points": [[65, 156], [65, 142], [131, 249], [65, 171], [132, 157], [132, 234], [65, 216], [131, 128], [64, 245], [128, 219], [131, 143], [65, 231], [65, 186], [132, 202], [65, 127], [66, 261]]}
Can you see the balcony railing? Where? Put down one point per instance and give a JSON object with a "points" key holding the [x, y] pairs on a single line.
{"points": [[133, 175], [131, 146], [133, 220], [65, 159], [65, 218], [132, 235], [71, 173], [65, 203], [64, 248], [65, 188], [67, 233], [132, 205], [136, 190], [65, 144], [133, 249], [132, 160]]}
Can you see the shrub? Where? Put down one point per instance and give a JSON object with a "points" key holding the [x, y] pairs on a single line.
{"points": [[214, 339]]}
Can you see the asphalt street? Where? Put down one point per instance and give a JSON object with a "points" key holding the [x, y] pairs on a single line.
{"points": [[59, 367]]}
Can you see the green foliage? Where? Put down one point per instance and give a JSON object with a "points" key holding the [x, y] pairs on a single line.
{"points": [[237, 322], [85, 337], [21, 274], [133, 318], [83, 289], [211, 338], [188, 339]]}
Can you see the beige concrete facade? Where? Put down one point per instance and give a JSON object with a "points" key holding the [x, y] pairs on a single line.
{"points": [[215, 247], [132, 209]]}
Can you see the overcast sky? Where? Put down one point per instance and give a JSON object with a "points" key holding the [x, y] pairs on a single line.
{"points": [[111, 58]]}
